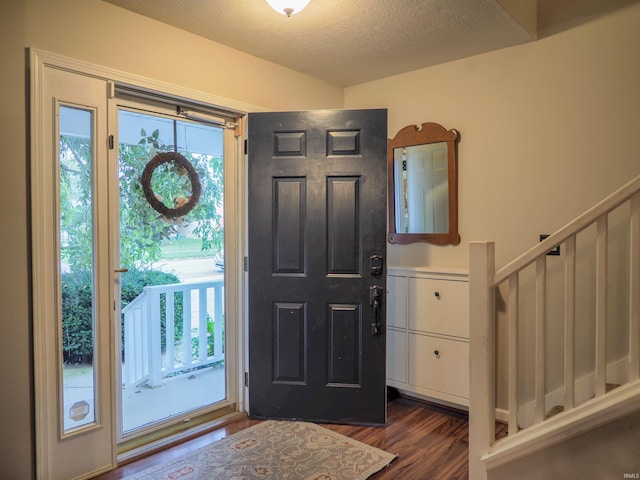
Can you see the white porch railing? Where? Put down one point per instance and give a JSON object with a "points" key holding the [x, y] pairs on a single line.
{"points": [[144, 359], [485, 452]]}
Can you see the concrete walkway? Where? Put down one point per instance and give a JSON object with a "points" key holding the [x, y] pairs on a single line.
{"points": [[190, 269]]}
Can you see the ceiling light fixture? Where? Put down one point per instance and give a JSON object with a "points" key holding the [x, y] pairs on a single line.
{"points": [[288, 7]]}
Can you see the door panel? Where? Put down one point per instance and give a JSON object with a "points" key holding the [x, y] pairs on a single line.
{"points": [[72, 314], [344, 350], [317, 213], [290, 355], [289, 238], [343, 240]]}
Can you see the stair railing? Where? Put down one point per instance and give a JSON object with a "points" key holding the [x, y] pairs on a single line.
{"points": [[485, 452]]}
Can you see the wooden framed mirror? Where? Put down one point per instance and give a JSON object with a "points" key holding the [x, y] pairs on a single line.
{"points": [[423, 185]]}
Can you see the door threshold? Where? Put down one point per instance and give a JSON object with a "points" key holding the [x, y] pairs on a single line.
{"points": [[134, 449]]}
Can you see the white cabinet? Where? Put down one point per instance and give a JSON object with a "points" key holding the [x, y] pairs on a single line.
{"points": [[428, 333]]}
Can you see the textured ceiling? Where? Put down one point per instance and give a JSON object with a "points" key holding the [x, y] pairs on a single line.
{"points": [[347, 42]]}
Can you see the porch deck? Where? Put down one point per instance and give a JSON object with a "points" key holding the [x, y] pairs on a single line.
{"points": [[182, 393], [144, 404], [179, 385]]}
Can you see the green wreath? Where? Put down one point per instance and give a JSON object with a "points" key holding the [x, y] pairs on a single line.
{"points": [[179, 161]]}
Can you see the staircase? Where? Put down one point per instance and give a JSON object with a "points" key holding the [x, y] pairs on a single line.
{"points": [[599, 268]]}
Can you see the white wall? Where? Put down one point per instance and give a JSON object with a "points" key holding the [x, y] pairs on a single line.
{"points": [[548, 129]]}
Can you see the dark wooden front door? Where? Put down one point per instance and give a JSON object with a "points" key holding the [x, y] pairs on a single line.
{"points": [[317, 279]]}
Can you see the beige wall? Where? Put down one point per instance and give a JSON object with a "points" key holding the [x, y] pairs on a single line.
{"points": [[99, 33], [606, 453], [548, 129], [104, 34]]}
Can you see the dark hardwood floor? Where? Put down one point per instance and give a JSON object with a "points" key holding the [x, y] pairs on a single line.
{"points": [[431, 443]]}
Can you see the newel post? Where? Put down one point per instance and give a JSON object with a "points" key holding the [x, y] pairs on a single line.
{"points": [[481, 356]]}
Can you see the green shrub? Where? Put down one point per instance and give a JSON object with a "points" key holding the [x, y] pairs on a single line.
{"points": [[77, 299], [132, 285], [195, 341], [77, 333]]}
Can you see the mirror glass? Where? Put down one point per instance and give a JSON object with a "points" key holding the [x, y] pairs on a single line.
{"points": [[423, 197], [422, 188]]}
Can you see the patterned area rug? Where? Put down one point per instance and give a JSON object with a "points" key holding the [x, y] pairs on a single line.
{"points": [[276, 450]]}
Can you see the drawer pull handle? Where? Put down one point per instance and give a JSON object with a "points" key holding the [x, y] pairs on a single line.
{"points": [[437, 294], [436, 353]]}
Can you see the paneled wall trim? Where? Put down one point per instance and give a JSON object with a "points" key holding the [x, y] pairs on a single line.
{"points": [[428, 333]]}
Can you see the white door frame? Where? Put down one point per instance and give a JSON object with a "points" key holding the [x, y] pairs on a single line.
{"points": [[43, 254]]}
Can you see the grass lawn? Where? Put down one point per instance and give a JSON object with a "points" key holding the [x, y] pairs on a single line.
{"points": [[184, 247]]}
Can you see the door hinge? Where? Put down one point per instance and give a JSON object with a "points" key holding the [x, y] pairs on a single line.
{"points": [[246, 264], [111, 142], [246, 379], [246, 143]]}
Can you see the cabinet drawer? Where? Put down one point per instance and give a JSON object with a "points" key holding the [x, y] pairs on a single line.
{"points": [[439, 306], [397, 301], [446, 372]]}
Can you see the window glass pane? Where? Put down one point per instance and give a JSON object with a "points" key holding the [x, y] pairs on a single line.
{"points": [[172, 295], [76, 266]]}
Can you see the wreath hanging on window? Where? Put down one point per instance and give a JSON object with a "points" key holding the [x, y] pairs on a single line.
{"points": [[182, 206]]}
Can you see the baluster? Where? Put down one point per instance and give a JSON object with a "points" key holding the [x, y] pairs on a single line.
{"points": [[569, 322], [634, 290], [541, 308], [155, 344], [513, 353], [219, 320], [186, 328], [170, 330], [138, 341], [601, 306], [129, 349], [202, 326], [143, 344]]}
